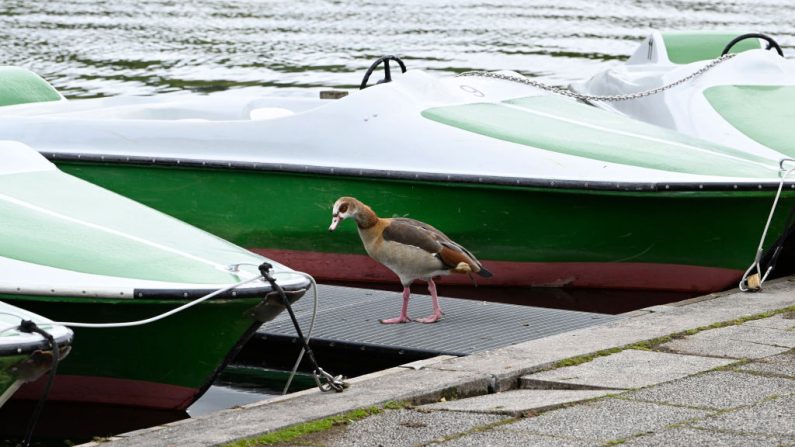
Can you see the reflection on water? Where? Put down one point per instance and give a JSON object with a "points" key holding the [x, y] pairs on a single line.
{"points": [[103, 47], [219, 397], [240, 385], [66, 424]]}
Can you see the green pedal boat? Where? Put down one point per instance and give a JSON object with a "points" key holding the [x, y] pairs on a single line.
{"points": [[25, 356], [743, 101], [78, 253], [544, 190]]}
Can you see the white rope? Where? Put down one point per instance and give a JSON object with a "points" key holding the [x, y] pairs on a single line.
{"points": [[308, 334], [760, 250], [161, 316], [195, 302], [172, 311], [311, 279]]}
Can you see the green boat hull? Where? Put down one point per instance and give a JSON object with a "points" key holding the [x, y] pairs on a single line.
{"points": [[677, 237], [165, 365]]}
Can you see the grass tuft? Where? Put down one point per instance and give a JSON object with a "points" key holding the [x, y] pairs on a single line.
{"points": [[296, 431], [650, 345]]}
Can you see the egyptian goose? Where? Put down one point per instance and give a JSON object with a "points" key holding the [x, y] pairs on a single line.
{"points": [[410, 248]]}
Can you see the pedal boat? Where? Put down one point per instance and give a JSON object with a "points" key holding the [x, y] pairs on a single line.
{"points": [[744, 102], [544, 190], [26, 356], [78, 253]]}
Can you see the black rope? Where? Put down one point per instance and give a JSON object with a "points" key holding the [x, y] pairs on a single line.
{"points": [[334, 383], [771, 256], [30, 327]]}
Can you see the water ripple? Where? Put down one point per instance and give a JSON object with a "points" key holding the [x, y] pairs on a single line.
{"points": [[100, 48]]}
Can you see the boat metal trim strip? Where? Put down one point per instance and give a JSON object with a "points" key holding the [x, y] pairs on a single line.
{"points": [[191, 294], [772, 184]]}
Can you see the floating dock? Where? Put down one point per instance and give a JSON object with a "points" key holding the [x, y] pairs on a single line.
{"points": [[348, 335]]}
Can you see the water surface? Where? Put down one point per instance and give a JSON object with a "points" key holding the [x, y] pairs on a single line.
{"points": [[92, 48]]}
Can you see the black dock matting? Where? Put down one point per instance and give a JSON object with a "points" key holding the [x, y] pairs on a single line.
{"points": [[348, 317]]}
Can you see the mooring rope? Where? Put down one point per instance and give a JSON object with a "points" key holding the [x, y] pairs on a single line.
{"points": [[335, 383], [161, 316], [753, 282], [29, 326], [308, 336], [332, 383], [294, 371]]}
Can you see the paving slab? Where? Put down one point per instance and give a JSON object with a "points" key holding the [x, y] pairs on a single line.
{"points": [[606, 420], [739, 342], [715, 390], [761, 335], [407, 427], [691, 437], [503, 438], [627, 369], [772, 417], [781, 364], [784, 322], [517, 402]]}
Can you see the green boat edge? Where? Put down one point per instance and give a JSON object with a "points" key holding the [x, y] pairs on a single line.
{"points": [[504, 220]]}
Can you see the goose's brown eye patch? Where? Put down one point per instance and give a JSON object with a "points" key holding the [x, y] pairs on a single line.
{"points": [[343, 207]]}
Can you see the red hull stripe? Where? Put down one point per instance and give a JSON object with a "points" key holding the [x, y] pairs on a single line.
{"points": [[611, 275], [111, 391]]}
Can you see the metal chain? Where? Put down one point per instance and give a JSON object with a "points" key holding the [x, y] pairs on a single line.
{"points": [[591, 98]]}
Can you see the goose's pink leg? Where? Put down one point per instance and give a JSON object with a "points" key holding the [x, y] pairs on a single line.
{"points": [[404, 311], [437, 311]]}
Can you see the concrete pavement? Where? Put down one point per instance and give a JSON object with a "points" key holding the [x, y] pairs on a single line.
{"points": [[740, 403], [729, 385]]}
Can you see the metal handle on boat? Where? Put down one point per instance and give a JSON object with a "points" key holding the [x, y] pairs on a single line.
{"points": [[770, 42], [387, 71]]}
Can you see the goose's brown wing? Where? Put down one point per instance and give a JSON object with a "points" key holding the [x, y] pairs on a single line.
{"points": [[412, 232], [419, 234]]}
